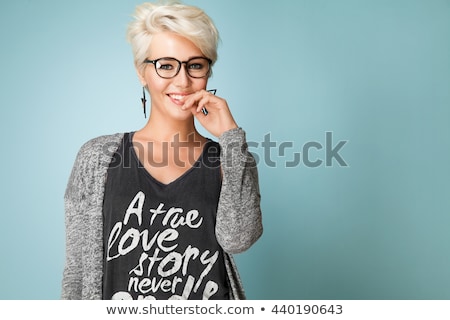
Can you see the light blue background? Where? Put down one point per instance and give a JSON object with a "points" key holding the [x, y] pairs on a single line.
{"points": [[375, 73]]}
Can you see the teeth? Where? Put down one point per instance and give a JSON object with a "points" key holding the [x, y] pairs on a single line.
{"points": [[177, 97]]}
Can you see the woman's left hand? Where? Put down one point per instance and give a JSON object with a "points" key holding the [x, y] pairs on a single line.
{"points": [[218, 119]]}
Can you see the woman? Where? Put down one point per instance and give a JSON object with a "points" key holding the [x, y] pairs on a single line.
{"points": [[158, 213]]}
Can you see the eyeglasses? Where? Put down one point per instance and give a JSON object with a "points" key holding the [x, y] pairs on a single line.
{"points": [[197, 67]]}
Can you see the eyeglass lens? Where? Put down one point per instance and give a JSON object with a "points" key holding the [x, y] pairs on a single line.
{"points": [[169, 67]]}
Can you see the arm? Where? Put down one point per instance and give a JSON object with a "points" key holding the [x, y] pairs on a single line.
{"points": [[83, 201], [239, 221], [72, 275]]}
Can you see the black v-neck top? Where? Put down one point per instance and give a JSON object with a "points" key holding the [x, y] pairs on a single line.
{"points": [[159, 239]]}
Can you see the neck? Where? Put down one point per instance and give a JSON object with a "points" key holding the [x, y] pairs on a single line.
{"points": [[160, 130]]}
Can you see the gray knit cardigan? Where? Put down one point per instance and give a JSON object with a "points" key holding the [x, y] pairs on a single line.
{"points": [[238, 224]]}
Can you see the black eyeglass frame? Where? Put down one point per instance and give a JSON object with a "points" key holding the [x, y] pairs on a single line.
{"points": [[208, 73]]}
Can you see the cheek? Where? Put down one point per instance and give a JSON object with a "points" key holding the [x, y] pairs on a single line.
{"points": [[200, 84], [156, 85]]}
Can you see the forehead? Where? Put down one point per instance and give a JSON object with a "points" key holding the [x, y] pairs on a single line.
{"points": [[168, 44]]}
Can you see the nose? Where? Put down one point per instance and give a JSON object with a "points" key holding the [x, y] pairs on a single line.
{"points": [[182, 79]]}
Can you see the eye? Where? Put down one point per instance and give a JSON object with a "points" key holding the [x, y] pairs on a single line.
{"points": [[196, 66], [165, 66]]}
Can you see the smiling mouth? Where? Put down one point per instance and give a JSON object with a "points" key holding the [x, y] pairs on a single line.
{"points": [[178, 98]]}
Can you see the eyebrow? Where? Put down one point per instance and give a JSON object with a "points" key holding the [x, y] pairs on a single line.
{"points": [[190, 58]]}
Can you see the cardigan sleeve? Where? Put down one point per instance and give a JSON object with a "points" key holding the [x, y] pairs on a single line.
{"points": [[239, 219], [73, 205], [83, 200]]}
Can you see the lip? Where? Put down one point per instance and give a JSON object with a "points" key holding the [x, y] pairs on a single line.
{"points": [[178, 98]]}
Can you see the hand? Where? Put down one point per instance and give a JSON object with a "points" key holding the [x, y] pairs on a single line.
{"points": [[219, 118]]}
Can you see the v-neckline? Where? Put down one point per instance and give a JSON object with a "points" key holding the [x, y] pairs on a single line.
{"points": [[176, 180]]}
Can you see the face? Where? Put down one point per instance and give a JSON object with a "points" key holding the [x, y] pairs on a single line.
{"points": [[168, 95]]}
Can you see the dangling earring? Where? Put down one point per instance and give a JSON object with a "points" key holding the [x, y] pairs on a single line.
{"points": [[143, 100]]}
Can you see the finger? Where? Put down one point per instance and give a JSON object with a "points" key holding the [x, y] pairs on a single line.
{"points": [[208, 98], [203, 103], [192, 100], [188, 103]]}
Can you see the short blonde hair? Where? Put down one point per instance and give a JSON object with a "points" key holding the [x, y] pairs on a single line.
{"points": [[187, 21]]}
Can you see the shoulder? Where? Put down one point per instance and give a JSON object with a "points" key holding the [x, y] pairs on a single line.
{"points": [[101, 144], [212, 145], [212, 148], [102, 147], [92, 161], [211, 154], [98, 151]]}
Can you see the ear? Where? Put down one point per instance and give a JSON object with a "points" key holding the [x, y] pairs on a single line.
{"points": [[140, 74]]}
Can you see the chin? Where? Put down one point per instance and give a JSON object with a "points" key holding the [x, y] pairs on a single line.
{"points": [[179, 114]]}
